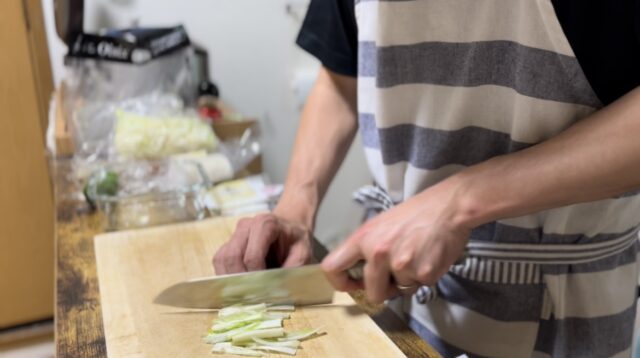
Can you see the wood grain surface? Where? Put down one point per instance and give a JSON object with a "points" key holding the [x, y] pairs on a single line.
{"points": [[39, 58], [78, 312], [26, 205], [134, 266]]}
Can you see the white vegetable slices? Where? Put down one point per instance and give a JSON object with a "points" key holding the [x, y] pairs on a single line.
{"points": [[253, 330]]}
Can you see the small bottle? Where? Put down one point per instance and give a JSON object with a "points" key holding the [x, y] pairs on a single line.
{"points": [[208, 96]]}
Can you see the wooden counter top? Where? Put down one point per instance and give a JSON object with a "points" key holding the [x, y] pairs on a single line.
{"points": [[78, 315]]}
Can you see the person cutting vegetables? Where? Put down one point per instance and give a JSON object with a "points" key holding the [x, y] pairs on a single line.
{"points": [[505, 133]]}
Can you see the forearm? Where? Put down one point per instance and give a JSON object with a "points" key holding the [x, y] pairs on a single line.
{"points": [[597, 158], [327, 128]]}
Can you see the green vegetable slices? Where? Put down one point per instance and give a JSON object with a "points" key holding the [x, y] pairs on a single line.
{"points": [[253, 330]]}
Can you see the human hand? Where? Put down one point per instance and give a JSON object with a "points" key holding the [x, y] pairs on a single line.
{"points": [[413, 244], [255, 238]]}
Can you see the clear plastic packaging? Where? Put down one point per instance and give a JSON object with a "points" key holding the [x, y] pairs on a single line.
{"points": [[243, 150], [136, 122], [241, 196], [96, 90], [148, 193], [138, 135]]}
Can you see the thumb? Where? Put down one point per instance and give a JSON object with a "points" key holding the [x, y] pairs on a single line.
{"points": [[299, 254], [339, 261]]}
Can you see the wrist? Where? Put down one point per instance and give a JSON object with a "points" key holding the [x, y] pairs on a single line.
{"points": [[299, 206], [476, 200], [456, 203]]}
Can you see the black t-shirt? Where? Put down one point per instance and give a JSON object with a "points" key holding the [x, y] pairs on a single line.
{"points": [[604, 35]]}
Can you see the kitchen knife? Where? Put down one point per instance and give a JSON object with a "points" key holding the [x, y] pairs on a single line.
{"points": [[304, 285]]}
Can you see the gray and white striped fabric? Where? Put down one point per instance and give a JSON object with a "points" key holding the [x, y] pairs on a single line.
{"points": [[446, 84], [581, 310]]}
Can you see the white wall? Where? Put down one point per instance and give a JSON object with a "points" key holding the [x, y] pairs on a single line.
{"points": [[254, 61]]}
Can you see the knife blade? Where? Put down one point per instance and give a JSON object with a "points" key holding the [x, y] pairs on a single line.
{"points": [[303, 285]]}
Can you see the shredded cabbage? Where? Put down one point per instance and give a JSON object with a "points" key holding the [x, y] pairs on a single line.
{"points": [[141, 136]]}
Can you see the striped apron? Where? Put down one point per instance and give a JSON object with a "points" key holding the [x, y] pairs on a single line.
{"points": [[446, 84]]}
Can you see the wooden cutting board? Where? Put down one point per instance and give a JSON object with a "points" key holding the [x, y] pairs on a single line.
{"points": [[134, 266]]}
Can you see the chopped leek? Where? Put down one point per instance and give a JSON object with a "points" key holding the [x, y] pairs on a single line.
{"points": [[227, 325], [227, 311], [219, 347], [228, 335], [264, 342], [260, 333], [237, 350], [272, 323], [300, 335], [253, 329]]}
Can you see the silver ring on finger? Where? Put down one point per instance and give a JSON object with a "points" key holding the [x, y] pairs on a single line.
{"points": [[405, 288]]}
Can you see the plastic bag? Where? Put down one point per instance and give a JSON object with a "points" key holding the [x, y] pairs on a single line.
{"points": [[96, 90]]}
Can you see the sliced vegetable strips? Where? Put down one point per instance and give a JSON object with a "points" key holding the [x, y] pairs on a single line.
{"points": [[300, 335], [290, 344], [252, 330]]}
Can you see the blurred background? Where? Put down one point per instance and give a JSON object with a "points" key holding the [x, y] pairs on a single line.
{"points": [[78, 116], [253, 58]]}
